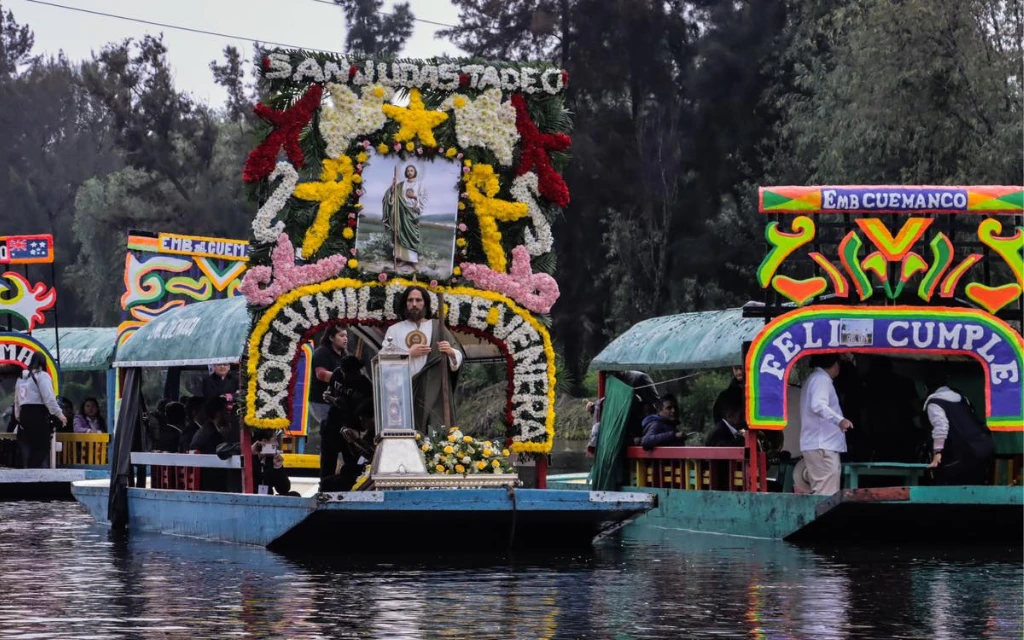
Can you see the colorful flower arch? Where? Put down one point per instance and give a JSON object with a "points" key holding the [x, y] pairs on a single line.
{"points": [[275, 343]]}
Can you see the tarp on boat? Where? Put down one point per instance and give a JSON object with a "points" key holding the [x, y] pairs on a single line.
{"points": [[81, 348], [699, 340], [193, 335], [618, 402]]}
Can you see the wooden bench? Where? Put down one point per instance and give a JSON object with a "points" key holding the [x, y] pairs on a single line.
{"points": [[910, 472]]}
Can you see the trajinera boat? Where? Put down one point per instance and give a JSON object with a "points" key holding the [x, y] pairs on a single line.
{"points": [[373, 178], [905, 283]]}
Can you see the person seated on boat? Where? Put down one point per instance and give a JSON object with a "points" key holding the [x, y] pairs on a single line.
{"points": [[662, 429], [214, 429], [195, 416], [731, 395], [221, 382], [961, 442], [173, 425], [89, 419], [68, 409], [728, 431], [822, 429], [347, 390]]}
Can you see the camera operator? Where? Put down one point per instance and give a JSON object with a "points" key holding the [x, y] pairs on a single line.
{"points": [[268, 468], [346, 392]]}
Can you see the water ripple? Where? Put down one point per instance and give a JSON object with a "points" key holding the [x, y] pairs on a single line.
{"points": [[65, 577]]}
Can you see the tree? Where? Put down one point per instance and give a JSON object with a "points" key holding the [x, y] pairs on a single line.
{"points": [[371, 32], [16, 42], [918, 92], [231, 76], [664, 95], [183, 172]]}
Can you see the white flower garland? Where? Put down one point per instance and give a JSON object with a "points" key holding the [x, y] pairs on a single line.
{"points": [[352, 116], [410, 75], [261, 228], [485, 122], [524, 344], [539, 240]]}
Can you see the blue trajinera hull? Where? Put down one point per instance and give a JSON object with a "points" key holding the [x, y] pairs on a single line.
{"points": [[356, 521], [44, 484], [967, 514]]}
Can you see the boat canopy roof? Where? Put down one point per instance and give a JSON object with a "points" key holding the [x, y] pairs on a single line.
{"points": [[197, 334], [698, 340], [81, 348], [216, 331]]}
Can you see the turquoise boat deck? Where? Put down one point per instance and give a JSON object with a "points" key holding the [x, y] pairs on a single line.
{"points": [[919, 514]]}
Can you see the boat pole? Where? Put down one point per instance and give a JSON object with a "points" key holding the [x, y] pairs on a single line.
{"points": [[445, 391]]}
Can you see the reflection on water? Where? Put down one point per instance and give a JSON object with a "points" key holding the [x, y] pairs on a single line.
{"points": [[63, 576]]}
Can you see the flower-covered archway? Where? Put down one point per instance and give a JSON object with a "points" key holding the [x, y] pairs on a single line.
{"points": [[275, 342]]}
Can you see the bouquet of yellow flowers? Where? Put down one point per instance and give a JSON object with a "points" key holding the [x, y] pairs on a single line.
{"points": [[457, 453]]}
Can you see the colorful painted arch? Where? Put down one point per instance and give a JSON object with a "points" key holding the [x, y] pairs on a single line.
{"points": [[886, 330], [17, 348], [988, 200]]}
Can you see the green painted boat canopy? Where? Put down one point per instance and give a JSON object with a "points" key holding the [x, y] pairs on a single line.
{"points": [[699, 340], [197, 334], [81, 348]]}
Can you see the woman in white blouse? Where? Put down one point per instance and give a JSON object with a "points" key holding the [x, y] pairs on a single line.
{"points": [[34, 403]]}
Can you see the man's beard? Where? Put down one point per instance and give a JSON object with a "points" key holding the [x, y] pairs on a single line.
{"points": [[414, 315]]}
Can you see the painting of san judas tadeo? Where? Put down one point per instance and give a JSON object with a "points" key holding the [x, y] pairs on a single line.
{"points": [[407, 223]]}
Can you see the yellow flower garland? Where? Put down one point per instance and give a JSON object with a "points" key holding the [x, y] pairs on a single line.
{"points": [[415, 120], [263, 325], [481, 187], [331, 192]]}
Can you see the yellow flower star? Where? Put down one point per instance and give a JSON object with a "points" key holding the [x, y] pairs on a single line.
{"points": [[331, 192], [415, 120]]}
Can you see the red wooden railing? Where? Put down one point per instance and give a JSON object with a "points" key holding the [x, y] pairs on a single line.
{"points": [[698, 468]]}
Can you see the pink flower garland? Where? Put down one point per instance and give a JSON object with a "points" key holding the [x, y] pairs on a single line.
{"points": [[284, 276], [535, 291]]}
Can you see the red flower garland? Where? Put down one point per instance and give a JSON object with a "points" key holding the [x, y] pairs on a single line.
{"points": [[288, 125], [534, 154]]}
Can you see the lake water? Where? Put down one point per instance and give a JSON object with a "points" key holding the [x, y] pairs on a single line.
{"points": [[62, 576]]}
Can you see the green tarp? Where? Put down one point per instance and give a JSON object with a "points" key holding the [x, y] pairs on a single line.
{"points": [[81, 348], [702, 340], [196, 334], [611, 443]]}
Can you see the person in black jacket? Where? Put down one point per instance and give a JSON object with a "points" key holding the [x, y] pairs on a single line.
{"points": [[194, 418], [731, 395], [171, 429], [728, 431], [347, 392], [662, 429], [222, 382], [213, 431]]}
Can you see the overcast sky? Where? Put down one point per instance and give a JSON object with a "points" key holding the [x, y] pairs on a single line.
{"points": [[303, 23]]}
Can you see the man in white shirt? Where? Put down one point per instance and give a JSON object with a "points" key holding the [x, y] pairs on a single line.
{"points": [[822, 429], [429, 344]]}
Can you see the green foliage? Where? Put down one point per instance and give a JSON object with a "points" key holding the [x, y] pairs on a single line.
{"points": [[696, 404]]}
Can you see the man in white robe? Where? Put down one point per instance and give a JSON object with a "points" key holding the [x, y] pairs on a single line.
{"points": [[430, 346]]}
